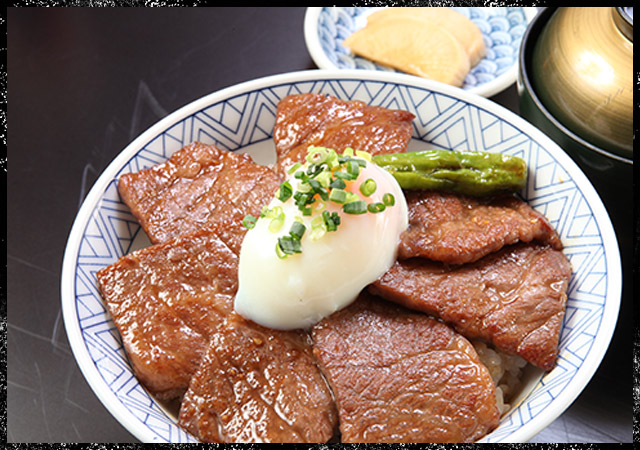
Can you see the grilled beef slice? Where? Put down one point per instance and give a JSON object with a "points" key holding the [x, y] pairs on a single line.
{"points": [[200, 187], [166, 300], [400, 376], [258, 385], [514, 298], [305, 120], [458, 229]]}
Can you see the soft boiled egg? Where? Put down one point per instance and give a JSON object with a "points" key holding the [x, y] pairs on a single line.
{"points": [[287, 291]]}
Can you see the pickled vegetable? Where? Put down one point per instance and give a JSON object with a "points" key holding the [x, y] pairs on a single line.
{"points": [[414, 46], [463, 172], [462, 29]]}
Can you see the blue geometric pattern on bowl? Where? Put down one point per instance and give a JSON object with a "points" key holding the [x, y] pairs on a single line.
{"points": [[502, 30], [443, 121]]}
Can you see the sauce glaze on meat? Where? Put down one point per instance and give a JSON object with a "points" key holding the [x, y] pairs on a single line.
{"points": [[166, 300], [258, 385], [305, 120], [200, 187], [401, 376], [458, 229], [514, 298]]}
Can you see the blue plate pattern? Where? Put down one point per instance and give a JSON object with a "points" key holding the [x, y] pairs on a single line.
{"points": [[108, 230], [502, 30]]}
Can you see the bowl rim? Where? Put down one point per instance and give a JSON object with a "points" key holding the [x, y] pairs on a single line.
{"points": [[323, 62], [544, 15], [68, 290]]}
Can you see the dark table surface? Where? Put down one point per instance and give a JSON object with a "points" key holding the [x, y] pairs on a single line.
{"points": [[82, 84]]}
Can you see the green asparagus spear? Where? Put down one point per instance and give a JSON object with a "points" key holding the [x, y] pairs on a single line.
{"points": [[462, 172]]}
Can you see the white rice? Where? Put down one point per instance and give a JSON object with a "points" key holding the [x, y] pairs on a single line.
{"points": [[506, 371]]}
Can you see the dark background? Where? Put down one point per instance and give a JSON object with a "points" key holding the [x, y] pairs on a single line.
{"points": [[82, 84]]}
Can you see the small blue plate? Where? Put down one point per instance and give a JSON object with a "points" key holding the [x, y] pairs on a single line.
{"points": [[325, 29]]}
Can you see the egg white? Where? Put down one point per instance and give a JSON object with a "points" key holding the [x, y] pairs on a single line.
{"points": [[298, 291]]}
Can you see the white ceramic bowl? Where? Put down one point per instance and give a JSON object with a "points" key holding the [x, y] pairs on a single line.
{"points": [[241, 118], [502, 29]]}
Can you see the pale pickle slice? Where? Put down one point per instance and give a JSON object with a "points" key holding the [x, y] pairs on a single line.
{"points": [[462, 28], [414, 46]]}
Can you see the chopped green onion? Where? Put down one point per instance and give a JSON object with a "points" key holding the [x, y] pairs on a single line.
{"points": [[318, 228], [338, 184], [338, 195], [336, 218], [344, 175], [357, 207], [321, 178], [388, 199], [304, 188], [313, 170], [328, 223], [289, 245], [317, 221], [364, 155], [297, 230], [293, 168], [375, 208], [276, 223], [249, 221], [368, 187], [320, 206], [272, 213], [331, 221], [317, 232], [353, 168], [317, 155], [324, 179], [281, 254], [351, 197], [332, 161], [318, 189], [347, 159], [285, 192], [303, 199], [315, 185]]}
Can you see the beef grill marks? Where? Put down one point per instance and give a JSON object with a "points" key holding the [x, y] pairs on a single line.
{"points": [[200, 187], [320, 120], [458, 229], [258, 385], [401, 376], [514, 298], [173, 306], [166, 301]]}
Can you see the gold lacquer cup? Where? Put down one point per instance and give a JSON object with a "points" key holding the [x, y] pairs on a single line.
{"points": [[583, 74]]}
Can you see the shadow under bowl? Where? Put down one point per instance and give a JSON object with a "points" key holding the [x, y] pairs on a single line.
{"points": [[604, 168]]}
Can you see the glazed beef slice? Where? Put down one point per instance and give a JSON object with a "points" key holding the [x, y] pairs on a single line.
{"points": [[200, 187], [514, 298], [305, 120], [400, 376], [258, 385], [458, 229], [166, 300]]}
